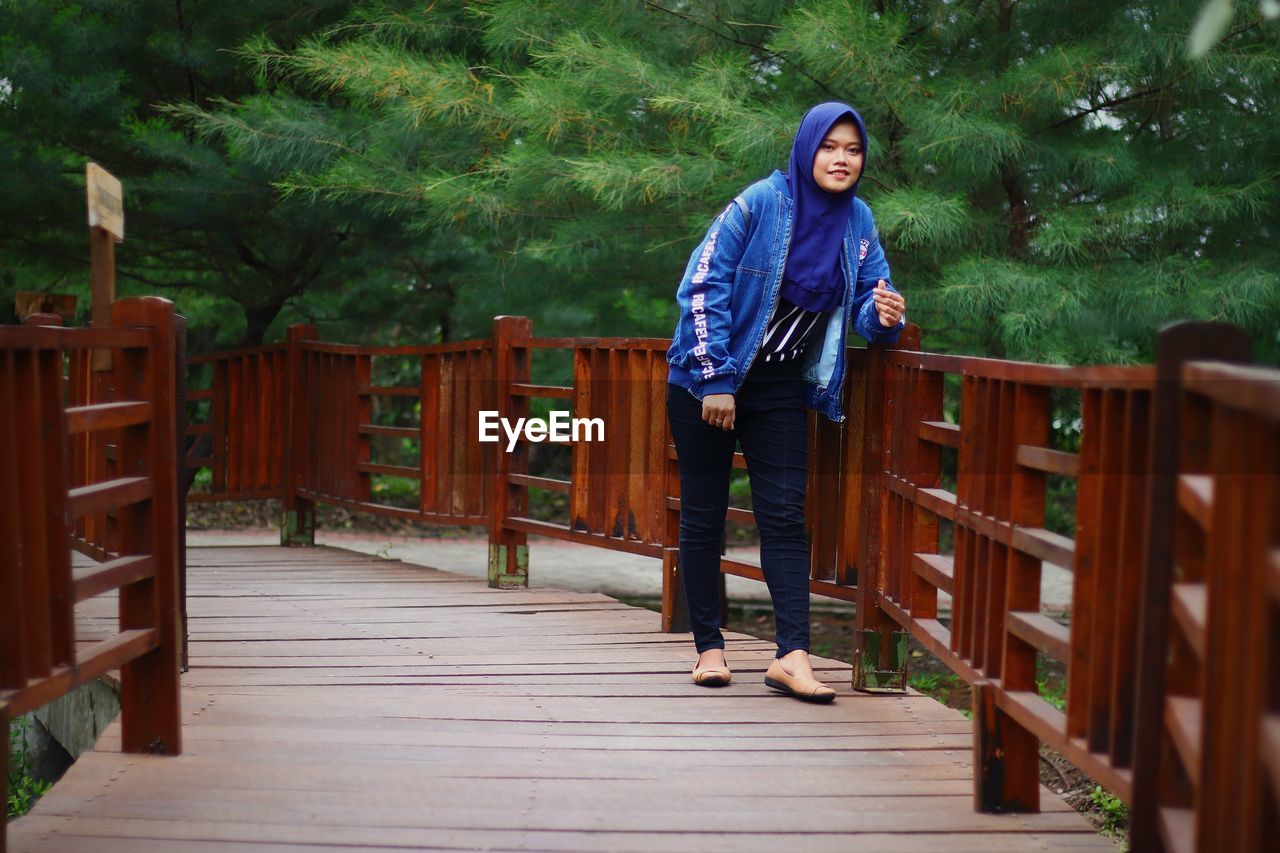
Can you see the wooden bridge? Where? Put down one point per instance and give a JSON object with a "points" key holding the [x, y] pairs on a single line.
{"points": [[335, 699], [341, 699]]}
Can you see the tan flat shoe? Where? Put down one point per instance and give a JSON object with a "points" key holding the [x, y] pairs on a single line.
{"points": [[808, 689], [711, 676]]}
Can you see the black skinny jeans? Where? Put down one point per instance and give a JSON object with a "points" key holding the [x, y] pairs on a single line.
{"points": [[772, 424]]}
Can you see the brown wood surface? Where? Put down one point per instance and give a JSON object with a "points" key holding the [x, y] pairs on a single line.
{"points": [[106, 416], [113, 574], [102, 287], [61, 338], [1049, 375], [340, 700], [218, 421], [511, 365], [887, 517], [457, 347], [1171, 651], [430, 438], [1026, 411], [62, 468], [149, 689]]}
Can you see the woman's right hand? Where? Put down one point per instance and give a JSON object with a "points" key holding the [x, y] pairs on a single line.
{"points": [[718, 410]]}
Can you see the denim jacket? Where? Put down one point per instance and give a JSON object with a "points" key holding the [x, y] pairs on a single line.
{"points": [[731, 285]]}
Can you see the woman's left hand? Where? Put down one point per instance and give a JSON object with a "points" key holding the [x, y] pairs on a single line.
{"points": [[890, 306]]}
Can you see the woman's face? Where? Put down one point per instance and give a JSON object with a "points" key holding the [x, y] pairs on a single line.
{"points": [[838, 162]]}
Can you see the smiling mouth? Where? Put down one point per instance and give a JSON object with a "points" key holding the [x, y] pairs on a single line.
{"points": [[838, 174]]}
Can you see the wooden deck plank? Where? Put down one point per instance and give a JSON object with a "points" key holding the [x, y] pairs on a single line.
{"points": [[303, 774], [559, 811], [235, 836], [339, 700]]}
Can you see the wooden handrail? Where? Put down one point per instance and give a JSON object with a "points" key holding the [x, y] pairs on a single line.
{"points": [[103, 416], [48, 505]]}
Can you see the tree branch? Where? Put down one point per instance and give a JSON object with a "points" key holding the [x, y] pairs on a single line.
{"points": [[1111, 102], [1153, 90], [733, 39]]}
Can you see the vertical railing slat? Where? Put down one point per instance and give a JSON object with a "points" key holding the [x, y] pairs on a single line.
{"points": [[508, 549], [364, 415], [429, 433], [34, 515], [656, 446], [1132, 540], [53, 505], [13, 604]]}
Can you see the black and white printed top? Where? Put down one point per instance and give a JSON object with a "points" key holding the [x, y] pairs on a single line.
{"points": [[789, 331]]}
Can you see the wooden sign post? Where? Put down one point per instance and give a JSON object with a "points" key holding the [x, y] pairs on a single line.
{"points": [[106, 228]]}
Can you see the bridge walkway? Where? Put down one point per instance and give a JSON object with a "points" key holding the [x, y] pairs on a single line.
{"points": [[337, 700]]}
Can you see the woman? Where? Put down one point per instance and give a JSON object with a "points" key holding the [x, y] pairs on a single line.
{"points": [[764, 305]]}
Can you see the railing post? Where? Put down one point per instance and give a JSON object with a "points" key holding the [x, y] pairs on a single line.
{"points": [[1007, 755], [183, 480], [362, 480], [149, 690], [675, 609], [880, 644], [508, 549], [1177, 344], [297, 514], [4, 771], [1002, 753]]}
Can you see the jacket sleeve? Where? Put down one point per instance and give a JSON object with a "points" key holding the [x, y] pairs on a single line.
{"points": [[871, 268], [704, 298]]}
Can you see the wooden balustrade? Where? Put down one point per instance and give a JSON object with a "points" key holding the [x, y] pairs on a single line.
{"points": [[615, 496], [47, 506], [1207, 756], [246, 423], [295, 422], [993, 572], [905, 507], [1171, 651]]}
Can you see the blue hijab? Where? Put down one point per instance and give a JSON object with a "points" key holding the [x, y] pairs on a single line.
{"points": [[813, 278]]}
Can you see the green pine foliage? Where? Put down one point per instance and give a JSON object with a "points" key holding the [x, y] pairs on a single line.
{"points": [[117, 83], [1049, 185]]}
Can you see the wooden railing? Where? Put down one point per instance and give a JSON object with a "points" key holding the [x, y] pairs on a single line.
{"points": [[1207, 748], [623, 492], [937, 483], [47, 506], [615, 489], [1002, 458], [295, 422], [246, 442]]}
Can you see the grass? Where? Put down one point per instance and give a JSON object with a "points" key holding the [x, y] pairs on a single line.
{"points": [[945, 687], [1051, 682], [24, 789], [934, 685], [1113, 811]]}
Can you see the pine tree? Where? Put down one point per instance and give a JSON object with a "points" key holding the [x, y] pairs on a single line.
{"points": [[1049, 185], [204, 224]]}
